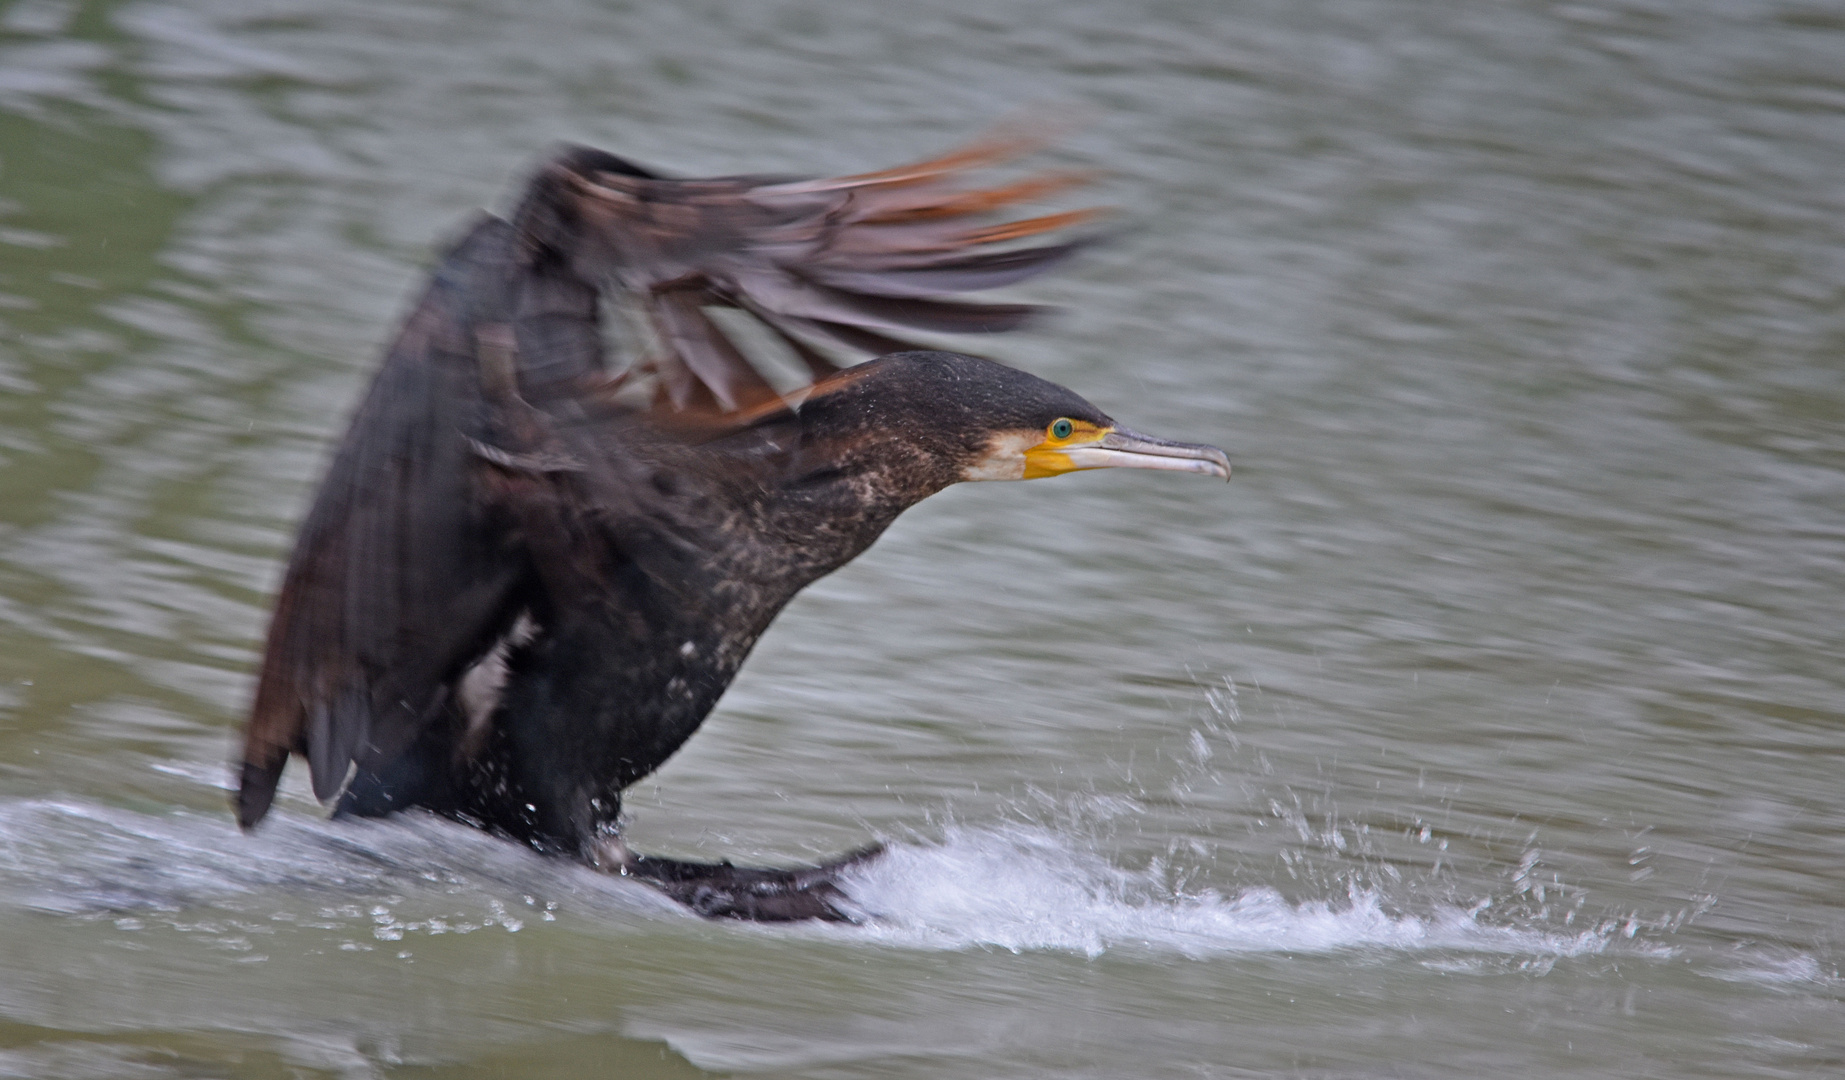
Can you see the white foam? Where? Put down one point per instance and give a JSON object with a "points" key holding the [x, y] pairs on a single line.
{"points": [[1024, 887]]}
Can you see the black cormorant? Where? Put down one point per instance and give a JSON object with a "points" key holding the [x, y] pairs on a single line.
{"points": [[525, 581]]}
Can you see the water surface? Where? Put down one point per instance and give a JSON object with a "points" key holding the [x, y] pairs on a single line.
{"points": [[1488, 722]]}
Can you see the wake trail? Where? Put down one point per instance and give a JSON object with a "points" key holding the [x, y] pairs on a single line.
{"points": [[1009, 886]]}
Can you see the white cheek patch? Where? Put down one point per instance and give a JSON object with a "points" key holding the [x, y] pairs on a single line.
{"points": [[1005, 457]]}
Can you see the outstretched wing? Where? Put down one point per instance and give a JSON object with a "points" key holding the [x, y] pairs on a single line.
{"points": [[411, 562], [846, 266]]}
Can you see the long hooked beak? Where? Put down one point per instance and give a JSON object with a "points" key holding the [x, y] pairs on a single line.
{"points": [[1124, 449]]}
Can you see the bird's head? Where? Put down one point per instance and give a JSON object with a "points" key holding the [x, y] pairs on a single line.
{"points": [[929, 419]]}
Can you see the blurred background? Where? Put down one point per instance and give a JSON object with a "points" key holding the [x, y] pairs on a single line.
{"points": [[1488, 722]]}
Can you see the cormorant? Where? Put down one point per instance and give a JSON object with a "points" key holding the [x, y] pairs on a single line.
{"points": [[525, 581]]}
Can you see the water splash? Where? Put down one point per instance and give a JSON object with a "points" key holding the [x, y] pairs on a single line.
{"points": [[1020, 886], [1024, 887]]}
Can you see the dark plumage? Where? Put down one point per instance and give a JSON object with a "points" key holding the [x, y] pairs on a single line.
{"points": [[524, 582]]}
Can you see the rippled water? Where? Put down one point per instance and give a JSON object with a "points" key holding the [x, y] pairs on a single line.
{"points": [[1488, 723]]}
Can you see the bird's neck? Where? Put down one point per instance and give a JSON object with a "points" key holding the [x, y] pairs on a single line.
{"points": [[831, 498]]}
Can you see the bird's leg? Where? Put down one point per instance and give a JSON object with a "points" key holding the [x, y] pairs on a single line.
{"points": [[723, 891]]}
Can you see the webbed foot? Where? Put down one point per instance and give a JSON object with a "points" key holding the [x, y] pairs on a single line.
{"points": [[723, 891]]}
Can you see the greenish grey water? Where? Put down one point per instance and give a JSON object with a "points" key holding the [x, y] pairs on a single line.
{"points": [[1489, 722]]}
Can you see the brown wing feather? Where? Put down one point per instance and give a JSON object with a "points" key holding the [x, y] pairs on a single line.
{"points": [[857, 263], [397, 576]]}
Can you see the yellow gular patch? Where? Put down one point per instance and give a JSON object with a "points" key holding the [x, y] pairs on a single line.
{"points": [[1047, 458]]}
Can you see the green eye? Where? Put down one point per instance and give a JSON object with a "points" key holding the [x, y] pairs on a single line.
{"points": [[1061, 429]]}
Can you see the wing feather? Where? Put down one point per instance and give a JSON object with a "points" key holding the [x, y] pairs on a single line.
{"points": [[398, 574], [857, 262]]}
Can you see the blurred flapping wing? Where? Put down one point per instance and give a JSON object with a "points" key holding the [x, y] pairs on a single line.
{"points": [[399, 573], [849, 266]]}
